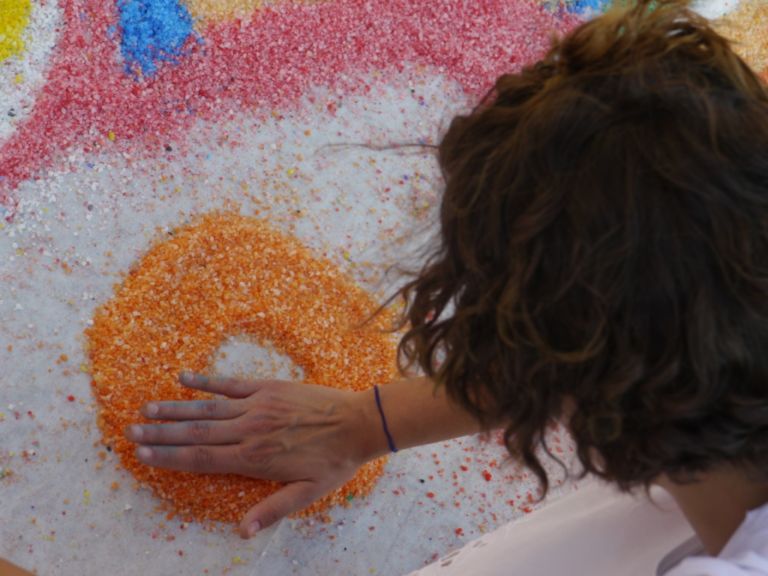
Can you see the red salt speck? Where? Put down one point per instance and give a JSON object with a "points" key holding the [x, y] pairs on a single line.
{"points": [[71, 398], [430, 494], [487, 475], [263, 63], [459, 532]]}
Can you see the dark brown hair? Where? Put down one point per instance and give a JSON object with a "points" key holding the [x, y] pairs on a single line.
{"points": [[604, 246]]}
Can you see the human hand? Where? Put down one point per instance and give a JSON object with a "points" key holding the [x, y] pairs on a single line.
{"points": [[311, 437]]}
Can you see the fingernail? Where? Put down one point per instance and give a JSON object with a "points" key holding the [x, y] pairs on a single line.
{"points": [[151, 409], [136, 432], [144, 453], [253, 528]]}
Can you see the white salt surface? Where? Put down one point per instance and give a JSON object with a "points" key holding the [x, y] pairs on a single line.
{"points": [[365, 209]]}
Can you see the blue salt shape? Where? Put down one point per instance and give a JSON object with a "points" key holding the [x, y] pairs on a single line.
{"points": [[153, 31], [587, 6]]}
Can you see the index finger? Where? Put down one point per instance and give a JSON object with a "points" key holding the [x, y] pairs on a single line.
{"points": [[231, 387]]}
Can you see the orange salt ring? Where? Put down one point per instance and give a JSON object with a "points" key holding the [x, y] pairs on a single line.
{"points": [[222, 276]]}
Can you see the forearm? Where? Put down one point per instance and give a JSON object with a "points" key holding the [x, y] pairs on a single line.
{"points": [[416, 413], [312, 438]]}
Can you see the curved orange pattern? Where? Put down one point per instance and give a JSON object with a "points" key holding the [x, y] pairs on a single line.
{"points": [[226, 275]]}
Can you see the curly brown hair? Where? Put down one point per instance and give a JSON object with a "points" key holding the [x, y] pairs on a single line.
{"points": [[604, 245]]}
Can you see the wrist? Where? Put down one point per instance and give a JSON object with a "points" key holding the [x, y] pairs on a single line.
{"points": [[368, 433]]}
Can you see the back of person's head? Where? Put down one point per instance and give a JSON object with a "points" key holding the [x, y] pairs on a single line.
{"points": [[604, 247]]}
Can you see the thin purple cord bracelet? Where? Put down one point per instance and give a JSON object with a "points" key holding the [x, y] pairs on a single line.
{"points": [[390, 441]]}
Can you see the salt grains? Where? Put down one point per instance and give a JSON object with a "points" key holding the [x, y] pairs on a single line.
{"points": [[226, 275]]}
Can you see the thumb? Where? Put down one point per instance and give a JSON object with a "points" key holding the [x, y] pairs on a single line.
{"points": [[290, 499]]}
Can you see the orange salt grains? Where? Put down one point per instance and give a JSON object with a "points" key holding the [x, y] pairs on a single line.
{"points": [[747, 28], [227, 275]]}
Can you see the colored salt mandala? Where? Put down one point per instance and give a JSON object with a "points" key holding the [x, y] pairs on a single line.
{"points": [[132, 76]]}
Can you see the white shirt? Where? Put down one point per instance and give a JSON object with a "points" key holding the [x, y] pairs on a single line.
{"points": [[595, 531], [745, 554], [598, 532]]}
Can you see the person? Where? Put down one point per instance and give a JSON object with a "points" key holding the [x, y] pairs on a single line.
{"points": [[602, 261]]}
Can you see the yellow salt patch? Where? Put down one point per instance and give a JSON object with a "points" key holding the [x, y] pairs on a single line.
{"points": [[14, 17], [218, 10], [221, 10], [747, 28]]}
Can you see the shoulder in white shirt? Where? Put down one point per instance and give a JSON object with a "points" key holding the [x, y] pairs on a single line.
{"points": [[745, 554]]}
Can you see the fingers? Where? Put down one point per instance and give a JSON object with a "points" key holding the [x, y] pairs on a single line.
{"points": [[193, 410], [200, 459], [232, 387], [193, 432], [294, 497]]}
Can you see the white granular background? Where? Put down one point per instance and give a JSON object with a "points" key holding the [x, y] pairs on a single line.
{"points": [[78, 229]]}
